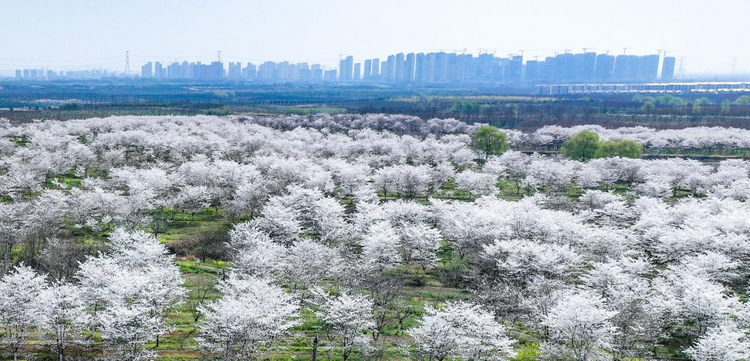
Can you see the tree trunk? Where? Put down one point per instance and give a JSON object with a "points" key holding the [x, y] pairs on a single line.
{"points": [[315, 348]]}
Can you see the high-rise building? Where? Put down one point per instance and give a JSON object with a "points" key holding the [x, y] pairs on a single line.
{"points": [[146, 70], [235, 70], [316, 72], [368, 70], [626, 67], [283, 71], [389, 70], [399, 72], [440, 67], [158, 70], [649, 70], [249, 71], [428, 71], [582, 67], [532, 71], [357, 71], [419, 68], [375, 68], [173, 71], [667, 68], [267, 71], [346, 68], [514, 72], [409, 66], [329, 75], [605, 64]]}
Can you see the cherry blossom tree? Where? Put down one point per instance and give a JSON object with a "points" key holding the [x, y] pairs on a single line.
{"points": [[248, 319], [346, 318], [461, 331], [21, 290], [380, 247], [725, 342], [63, 316], [581, 322]]}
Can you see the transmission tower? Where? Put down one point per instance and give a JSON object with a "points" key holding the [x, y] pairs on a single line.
{"points": [[127, 62], [734, 65], [681, 68]]}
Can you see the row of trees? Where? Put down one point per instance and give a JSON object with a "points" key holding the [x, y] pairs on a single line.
{"points": [[586, 145]]}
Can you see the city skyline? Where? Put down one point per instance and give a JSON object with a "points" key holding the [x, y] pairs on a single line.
{"points": [[409, 68], [71, 34]]}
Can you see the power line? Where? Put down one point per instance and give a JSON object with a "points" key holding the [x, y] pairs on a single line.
{"points": [[57, 61]]}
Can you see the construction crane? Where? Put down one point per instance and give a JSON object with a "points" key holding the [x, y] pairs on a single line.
{"points": [[625, 51], [585, 49]]}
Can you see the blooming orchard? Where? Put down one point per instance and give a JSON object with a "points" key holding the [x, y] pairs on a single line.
{"points": [[343, 229]]}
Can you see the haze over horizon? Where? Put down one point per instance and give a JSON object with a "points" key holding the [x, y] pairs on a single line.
{"points": [[78, 34]]}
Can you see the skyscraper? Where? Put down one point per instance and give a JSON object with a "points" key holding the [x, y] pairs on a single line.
{"points": [[158, 70], [329, 75], [532, 71], [375, 68], [605, 64], [400, 68], [388, 73], [515, 69], [368, 70], [316, 72], [419, 68], [146, 70], [267, 71], [649, 67], [235, 70], [409, 66], [346, 68], [357, 71], [667, 68], [249, 72]]}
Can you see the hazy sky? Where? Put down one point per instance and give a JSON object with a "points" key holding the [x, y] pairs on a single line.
{"points": [[63, 34]]}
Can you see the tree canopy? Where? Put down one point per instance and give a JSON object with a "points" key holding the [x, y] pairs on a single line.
{"points": [[582, 146], [619, 148], [490, 141]]}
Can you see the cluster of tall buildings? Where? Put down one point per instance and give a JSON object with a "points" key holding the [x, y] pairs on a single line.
{"points": [[184, 70], [412, 68], [266, 72], [436, 68], [46, 74], [444, 67]]}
